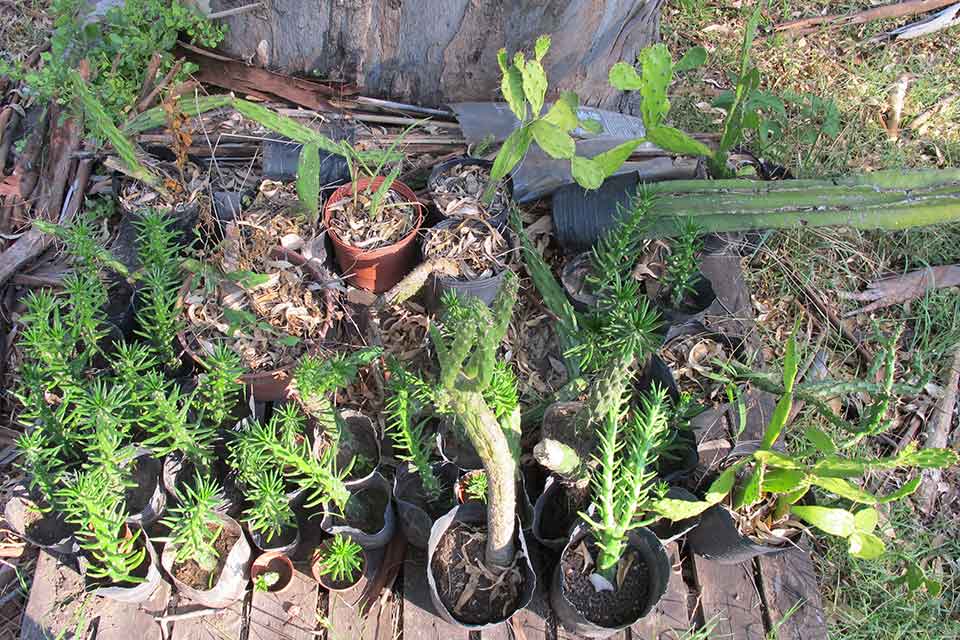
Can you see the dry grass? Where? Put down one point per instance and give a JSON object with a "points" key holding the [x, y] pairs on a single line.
{"points": [[23, 25]]}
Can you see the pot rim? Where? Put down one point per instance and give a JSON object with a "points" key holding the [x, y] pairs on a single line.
{"points": [[315, 561], [263, 560], [373, 254]]}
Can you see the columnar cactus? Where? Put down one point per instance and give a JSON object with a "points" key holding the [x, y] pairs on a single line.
{"points": [[466, 350]]}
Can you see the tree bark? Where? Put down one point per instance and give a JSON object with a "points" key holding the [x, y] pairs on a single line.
{"points": [[439, 51]]}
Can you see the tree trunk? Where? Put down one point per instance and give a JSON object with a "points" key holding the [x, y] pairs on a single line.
{"points": [[438, 51]]}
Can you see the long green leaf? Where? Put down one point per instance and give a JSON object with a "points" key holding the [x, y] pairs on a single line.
{"points": [[676, 141]]}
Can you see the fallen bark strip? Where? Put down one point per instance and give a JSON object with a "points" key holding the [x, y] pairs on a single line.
{"points": [[912, 285], [228, 73], [897, 10], [938, 432], [946, 19]]}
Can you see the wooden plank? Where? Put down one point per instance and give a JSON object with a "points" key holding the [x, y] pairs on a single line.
{"points": [[379, 622], [789, 580], [532, 622], [290, 615], [730, 596], [225, 623], [670, 618], [59, 605], [419, 620]]}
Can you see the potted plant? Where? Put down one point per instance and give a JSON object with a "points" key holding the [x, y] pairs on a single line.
{"points": [[270, 517], [472, 487], [271, 572], [757, 502], [422, 487], [118, 561], [457, 186], [206, 554], [482, 252], [613, 571], [470, 388], [339, 563], [682, 291], [373, 222]]}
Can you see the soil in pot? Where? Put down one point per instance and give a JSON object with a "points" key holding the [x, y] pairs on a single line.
{"points": [[605, 608], [477, 248], [144, 474], [561, 509], [457, 190], [364, 511], [465, 590], [46, 528], [193, 575], [353, 223]]}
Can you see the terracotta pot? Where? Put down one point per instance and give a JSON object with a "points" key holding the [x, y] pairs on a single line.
{"points": [[273, 561], [325, 581], [375, 270], [267, 386]]}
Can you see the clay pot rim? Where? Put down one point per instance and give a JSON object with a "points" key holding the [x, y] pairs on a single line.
{"points": [[373, 254], [263, 560]]}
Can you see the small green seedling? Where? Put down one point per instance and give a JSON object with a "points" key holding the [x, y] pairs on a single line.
{"points": [[263, 582], [476, 487], [195, 524], [682, 271], [341, 559], [270, 512]]}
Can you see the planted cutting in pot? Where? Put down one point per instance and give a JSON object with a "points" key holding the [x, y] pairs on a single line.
{"points": [[338, 563], [206, 555], [259, 292], [481, 252], [270, 518], [682, 291], [612, 572], [457, 186], [756, 505], [485, 399], [367, 516], [373, 223], [472, 488], [118, 561], [422, 488], [271, 572]]}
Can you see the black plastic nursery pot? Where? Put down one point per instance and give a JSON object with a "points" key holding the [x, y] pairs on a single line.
{"points": [[485, 289], [556, 510], [694, 306], [414, 511], [368, 517], [446, 206], [455, 447], [440, 535], [47, 530], [145, 500], [281, 161], [286, 542], [574, 277], [134, 592], [581, 217], [360, 443], [587, 612], [232, 572]]}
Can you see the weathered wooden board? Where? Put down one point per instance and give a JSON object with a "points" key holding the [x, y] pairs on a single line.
{"points": [[730, 596], [531, 623], [58, 605], [419, 620], [789, 580], [348, 620], [670, 619], [225, 623], [290, 615]]}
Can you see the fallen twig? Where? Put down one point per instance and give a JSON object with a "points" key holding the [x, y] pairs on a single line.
{"points": [[949, 17], [898, 93], [148, 81], [146, 102], [891, 291], [938, 432], [226, 13], [896, 10]]}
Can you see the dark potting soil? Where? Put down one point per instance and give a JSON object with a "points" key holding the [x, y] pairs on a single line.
{"points": [[461, 546], [193, 575], [357, 445], [45, 528], [411, 491], [606, 608], [144, 474], [561, 511], [365, 510], [285, 537]]}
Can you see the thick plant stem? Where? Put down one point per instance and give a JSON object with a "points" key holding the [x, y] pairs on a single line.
{"points": [[557, 457], [493, 447]]}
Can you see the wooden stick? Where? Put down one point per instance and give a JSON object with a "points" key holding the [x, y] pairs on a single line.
{"points": [[146, 102], [148, 79], [896, 10], [938, 432], [226, 13]]}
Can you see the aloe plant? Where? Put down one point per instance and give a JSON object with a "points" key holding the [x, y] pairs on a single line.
{"points": [[772, 475], [466, 350]]}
